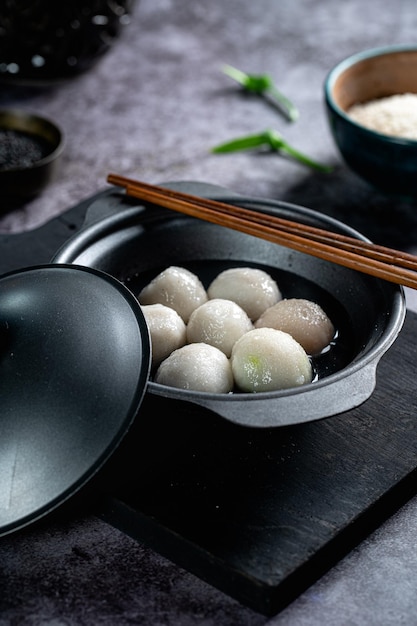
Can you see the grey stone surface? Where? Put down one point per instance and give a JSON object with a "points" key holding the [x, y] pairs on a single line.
{"points": [[152, 108]]}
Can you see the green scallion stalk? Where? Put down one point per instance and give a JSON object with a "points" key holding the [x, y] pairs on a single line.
{"points": [[263, 84], [273, 140]]}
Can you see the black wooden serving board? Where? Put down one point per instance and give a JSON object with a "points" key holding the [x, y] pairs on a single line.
{"points": [[260, 514]]}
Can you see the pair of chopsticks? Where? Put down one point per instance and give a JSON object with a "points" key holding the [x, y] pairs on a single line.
{"points": [[386, 263]]}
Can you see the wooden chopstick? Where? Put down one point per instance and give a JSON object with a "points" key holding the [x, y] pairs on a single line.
{"points": [[379, 261]]}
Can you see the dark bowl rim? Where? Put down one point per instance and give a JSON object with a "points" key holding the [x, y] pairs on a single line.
{"points": [[338, 69], [57, 146]]}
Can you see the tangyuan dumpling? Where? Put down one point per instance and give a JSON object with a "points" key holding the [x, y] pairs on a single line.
{"points": [[167, 330], [177, 288], [265, 359], [252, 289], [303, 319], [198, 367], [219, 323]]}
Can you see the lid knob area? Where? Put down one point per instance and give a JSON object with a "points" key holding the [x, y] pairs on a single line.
{"points": [[75, 358]]}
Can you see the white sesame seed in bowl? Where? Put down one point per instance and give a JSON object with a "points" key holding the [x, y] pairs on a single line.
{"points": [[371, 103]]}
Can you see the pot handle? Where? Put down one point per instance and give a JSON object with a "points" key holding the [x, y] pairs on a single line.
{"points": [[320, 401], [107, 203]]}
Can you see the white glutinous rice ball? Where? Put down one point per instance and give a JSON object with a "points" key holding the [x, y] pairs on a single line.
{"points": [[197, 367], [167, 330], [303, 319], [177, 288], [219, 323], [265, 359], [252, 289]]}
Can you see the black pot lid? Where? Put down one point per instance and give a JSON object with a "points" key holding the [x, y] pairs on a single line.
{"points": [[75, 360]]}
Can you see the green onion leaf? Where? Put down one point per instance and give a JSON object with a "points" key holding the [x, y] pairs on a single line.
{"points": [[243, 143], [273, 140], [263, 84]]}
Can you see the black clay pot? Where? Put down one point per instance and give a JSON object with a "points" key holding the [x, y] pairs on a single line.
{"points": [[133, 242], [76, 350]]}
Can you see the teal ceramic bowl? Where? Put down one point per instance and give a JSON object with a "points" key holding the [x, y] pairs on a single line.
{"points": [[387, 162]]}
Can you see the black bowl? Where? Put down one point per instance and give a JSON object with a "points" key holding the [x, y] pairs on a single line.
{"points": [[133, 243], [43, 41], [30, 148]]}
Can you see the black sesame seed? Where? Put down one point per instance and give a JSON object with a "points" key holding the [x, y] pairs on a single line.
{"points": [[19, 149]]}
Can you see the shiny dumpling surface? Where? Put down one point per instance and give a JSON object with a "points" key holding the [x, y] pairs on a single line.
{"points": [[251, 288], [219, 323], [265, 359], [175, 287], [305, 320], [197, 367], [167, 330]]}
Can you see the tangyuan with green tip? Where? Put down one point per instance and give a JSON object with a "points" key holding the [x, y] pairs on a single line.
{"points": [[265, 359]]}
